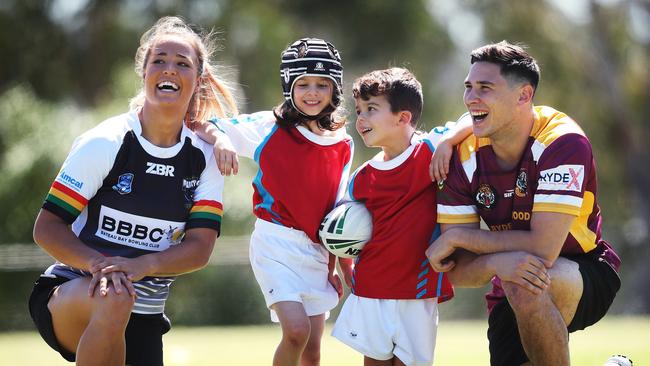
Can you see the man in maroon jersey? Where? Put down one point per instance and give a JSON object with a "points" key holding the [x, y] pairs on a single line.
{"points": [[528, 172]]}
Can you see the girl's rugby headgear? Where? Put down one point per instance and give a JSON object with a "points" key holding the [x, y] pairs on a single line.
{"points": [[311, 57]]}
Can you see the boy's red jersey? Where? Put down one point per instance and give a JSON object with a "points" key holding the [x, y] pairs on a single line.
{"points": [[402, 201]]}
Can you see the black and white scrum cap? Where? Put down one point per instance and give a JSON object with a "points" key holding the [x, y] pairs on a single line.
{"points": [[310, 57]]}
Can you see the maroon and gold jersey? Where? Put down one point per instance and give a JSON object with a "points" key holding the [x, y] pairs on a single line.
{"points": [[402, 201], [556, 174]]}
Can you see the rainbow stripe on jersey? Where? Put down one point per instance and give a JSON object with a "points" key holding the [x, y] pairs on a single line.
{"points": [[205, 213], [71, 202], [205, 209]]}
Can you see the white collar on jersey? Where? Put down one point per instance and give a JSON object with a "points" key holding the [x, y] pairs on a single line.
{"points": [[378, 162], [151, 149], [339, 135]]}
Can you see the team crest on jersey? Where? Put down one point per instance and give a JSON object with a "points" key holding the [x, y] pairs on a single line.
{"points": [[124, 183], [175, 234], [485, 196], [521, 186], [189, 186]]}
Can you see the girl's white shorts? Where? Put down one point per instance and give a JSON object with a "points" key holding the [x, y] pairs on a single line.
{"points": [[289, 267]]}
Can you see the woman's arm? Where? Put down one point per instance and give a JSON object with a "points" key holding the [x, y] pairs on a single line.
{"points": [[192, 254], [55, 237]]}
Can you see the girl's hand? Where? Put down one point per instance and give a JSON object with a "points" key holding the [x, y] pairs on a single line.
{"points": [[226, 156], [224, 152]]}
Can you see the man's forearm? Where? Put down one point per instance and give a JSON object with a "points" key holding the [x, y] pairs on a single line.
{"points": [[471, 270], [486, 242]]}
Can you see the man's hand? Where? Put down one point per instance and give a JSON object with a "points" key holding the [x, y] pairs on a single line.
{"points": [[524, 269]]}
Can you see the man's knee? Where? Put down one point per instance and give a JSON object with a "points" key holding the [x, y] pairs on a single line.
{"points": [[523, 301], [565, 278], [564, 293], [566, 287]]}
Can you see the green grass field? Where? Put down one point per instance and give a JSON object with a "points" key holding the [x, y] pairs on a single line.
{"points": [[459, 343]]}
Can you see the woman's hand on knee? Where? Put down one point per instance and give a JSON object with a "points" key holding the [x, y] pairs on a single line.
{"points": [[101, 282]]}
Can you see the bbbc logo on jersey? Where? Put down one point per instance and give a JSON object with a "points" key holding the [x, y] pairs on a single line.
{"points": [[127, 229], [138, 231], [160, 169]]}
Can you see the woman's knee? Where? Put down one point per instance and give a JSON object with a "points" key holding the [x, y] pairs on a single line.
{"points": [[118, 305]]}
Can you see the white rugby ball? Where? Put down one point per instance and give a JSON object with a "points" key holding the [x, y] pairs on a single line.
{"points": [[346, 229]]}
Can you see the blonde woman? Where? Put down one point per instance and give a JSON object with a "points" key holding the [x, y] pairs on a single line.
{"points": [[130, 191]]}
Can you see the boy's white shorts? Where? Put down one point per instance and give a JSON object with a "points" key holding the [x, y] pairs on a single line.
{"points": [[289, 267], [383, 328]]}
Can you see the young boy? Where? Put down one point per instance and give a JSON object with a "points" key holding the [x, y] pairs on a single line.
{"points": [[391, 316]]}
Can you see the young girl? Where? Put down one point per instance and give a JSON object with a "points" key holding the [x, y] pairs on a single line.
{"points": [[132, 188], [303, 155]]}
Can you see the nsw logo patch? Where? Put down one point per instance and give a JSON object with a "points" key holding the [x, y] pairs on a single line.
{"points": [[124, 183]]}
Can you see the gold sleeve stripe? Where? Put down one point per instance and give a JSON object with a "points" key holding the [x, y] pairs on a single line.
{"points": [[554, 207], [457, 219], [580, 229]]}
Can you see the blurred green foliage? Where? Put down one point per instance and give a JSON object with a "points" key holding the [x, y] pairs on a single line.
{"points": [[67, 65]]}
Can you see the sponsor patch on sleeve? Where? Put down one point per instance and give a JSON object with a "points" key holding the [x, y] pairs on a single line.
{"points": [[70, 181], [562, 178]]}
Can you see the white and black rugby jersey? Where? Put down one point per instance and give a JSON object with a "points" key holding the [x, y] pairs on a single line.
{"points": [[126, 197]]}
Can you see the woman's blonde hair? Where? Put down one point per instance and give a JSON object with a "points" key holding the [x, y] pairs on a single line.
{"points": [[212, 97]]}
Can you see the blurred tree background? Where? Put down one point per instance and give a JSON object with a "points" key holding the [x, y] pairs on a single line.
{"points": [[68, 64]]}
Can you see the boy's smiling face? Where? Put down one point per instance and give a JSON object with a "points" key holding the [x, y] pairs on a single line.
{"points": [[376, 123]]}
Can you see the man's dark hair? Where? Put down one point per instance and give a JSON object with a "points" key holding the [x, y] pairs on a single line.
{"points": [[515, 63], [402, 90]]}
